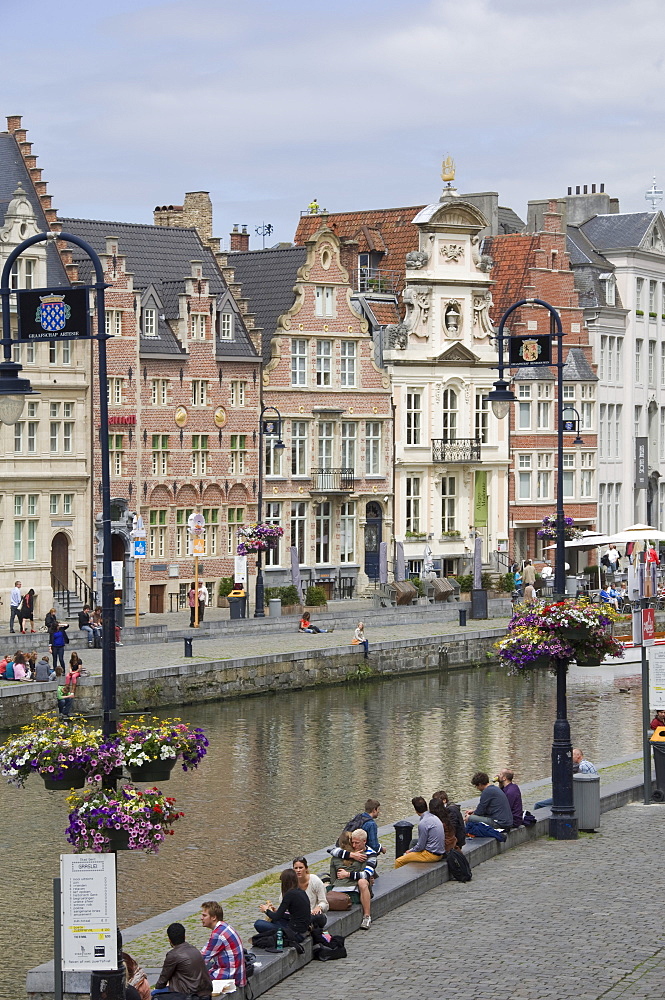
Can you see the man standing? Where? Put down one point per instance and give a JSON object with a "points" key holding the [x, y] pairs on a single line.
{"points": [[223, 954], [493, 807], [184, 970], [203, 600], [15, 599], [513, 794], [430, 845], [580, 765], [191, 599], [529, 574]]}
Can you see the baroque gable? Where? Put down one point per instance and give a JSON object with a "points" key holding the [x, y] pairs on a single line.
{"points": [[458, 353]]}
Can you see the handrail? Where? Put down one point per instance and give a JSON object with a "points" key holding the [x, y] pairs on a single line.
{"points": [[83, 591], [60, 593]]}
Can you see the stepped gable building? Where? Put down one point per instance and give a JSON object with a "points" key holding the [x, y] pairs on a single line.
{"points": [[618, 260], [184, 381], [46, 455], [537, 265], [331, 488]]}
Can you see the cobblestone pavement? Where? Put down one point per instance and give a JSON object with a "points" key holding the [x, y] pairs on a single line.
{"points": [[570, 920]]}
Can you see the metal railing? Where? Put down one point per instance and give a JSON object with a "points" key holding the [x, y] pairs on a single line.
{"points": [[61, 593], [83, 591], [375, 279], [456, 450], [333, 481]]}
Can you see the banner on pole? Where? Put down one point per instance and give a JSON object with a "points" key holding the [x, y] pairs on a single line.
{"points": [[198, 546], [89, 937]]}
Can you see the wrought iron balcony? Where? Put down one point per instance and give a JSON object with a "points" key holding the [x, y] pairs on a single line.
{"points": [[456, 450], [376, 279], [332, 481]]}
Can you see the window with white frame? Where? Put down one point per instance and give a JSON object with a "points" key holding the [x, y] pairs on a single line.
{"points": [[113, 322], [603, 424], [662, 433], [617, 505], [226, 326], [413, 416], [325, 300], [115, 391], [32, 540], [33, 504], [273, 516], [639, 291], [449, 415], [54, 504], [238, 393], [198, 326], [298, 361], [149, 322], [638, 421], [617, 430], [67, 503], [568, 475], [481, 423], [606, 430], [373, 447], [347, 532], [157, 534], [544, 477], [348, 364], [23, 273], [199, 392], [652, 298], [326, 440], [18, 540], [59, 352], [211, 515], [238, 454], [608, 287], [413, 504], [299, 448], [349, 433], [524, 466], [324, 362], [160, 454], [272, 455], [159, 391], [586, 474], [602, 367], [619, 364], [544, 414], [30, 352], [524, 411], [19, 436], [652, 362], [298, 529], [67, 431], [33, 426], [610, 359], [569, 393], [448, 503], [586, 416], [181, 532], [662, 364], [322, 536], [602, 515], [638, 360], [235, 518]]}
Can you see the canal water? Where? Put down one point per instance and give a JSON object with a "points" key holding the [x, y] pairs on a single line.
{"points": [[284, 773]]}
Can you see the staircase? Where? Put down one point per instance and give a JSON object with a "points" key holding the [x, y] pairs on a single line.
{"points": [[67, 602]]}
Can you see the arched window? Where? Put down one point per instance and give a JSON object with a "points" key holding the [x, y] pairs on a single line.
{"points": [[449, 415]]}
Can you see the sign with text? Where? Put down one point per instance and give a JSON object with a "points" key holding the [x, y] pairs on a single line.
{"points": [[657, 677], [59, 313], [648, 626], [535, 350], [641, 463], [117, 568], [240, 569], [89, 936]]}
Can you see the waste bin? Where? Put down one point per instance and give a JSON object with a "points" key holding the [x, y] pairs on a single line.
{"points": [[403, 834], [586, 799], [237, 606], [275, 607], [658, 743]]}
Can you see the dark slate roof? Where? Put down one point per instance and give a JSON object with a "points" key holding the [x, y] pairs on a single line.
{"points": [[541, 373], [267, 279], [576, 367], [582, 251], [12, 172], [509, 221], [614, 232]]}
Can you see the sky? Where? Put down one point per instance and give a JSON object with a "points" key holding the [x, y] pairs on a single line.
{"points": [[267, 105]]}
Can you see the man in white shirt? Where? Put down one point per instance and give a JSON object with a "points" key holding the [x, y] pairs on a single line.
{"points": [[203, 600], [15, 599], [580, 765]]}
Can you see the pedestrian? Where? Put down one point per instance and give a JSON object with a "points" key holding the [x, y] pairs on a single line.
{"points": [[15, 599], [359, 638], [191, 600], [26, 611], [203, 600], [529, 574], [59, 640], [614, 559]]}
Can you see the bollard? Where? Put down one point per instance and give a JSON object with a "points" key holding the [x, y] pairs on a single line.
{"points": [[403, 835], [462, 616], [188, 647]]}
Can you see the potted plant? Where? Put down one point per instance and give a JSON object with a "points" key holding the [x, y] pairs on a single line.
{"points": [[258, 537], [549, 527], [315, 597], [465, 581], [223, 590], [65, 754], [150, 749], [123, 820]]}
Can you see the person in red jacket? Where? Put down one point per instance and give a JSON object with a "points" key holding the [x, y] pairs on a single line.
{"points": [[658, 719]]}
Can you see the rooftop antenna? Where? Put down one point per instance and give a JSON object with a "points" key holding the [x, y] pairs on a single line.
{"points": [[654, 195]]}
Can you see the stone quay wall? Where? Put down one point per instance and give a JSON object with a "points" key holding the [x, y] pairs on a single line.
{"points": [[192, 682]]}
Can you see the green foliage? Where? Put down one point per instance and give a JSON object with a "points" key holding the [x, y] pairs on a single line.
{"points": [[225, 586], [287, 595], [315, 597], [465, 582], [506, 583], [451, 534], [487, 581], [415, 534], [418, 584]]}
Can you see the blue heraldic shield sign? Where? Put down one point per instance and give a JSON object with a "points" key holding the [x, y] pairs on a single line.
{"points": [[53, 312], [59, 313]]}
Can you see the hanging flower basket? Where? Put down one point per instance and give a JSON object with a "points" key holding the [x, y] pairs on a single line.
{"points": [[549, 528], [258, 538], [128, 819], [160, 742], [118, 840], [66, 779], [153, 770]]}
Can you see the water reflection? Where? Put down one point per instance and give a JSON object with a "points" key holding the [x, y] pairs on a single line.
{"points": [[286, 771]]}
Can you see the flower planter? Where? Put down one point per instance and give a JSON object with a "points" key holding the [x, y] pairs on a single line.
{"points": [[74, 777], [541, 661], [588, 661], [118, 840], [573, 634], [222, 602], [153, 770]]}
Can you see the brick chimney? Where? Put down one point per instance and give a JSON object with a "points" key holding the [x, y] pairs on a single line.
{"points": [[197, 212], [239, 241], [168, 215]]}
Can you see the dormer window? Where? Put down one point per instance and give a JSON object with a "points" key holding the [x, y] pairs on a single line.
{"points": [[149, 324], [23, 272], [608, 286], [226, 326]]}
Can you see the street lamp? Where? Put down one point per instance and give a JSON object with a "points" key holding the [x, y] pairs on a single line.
{"points": [[528, 351], [268, 428]]}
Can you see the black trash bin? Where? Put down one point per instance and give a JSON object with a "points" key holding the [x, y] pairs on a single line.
{"points": [[237, 606], [658, 743], [403, 835]]}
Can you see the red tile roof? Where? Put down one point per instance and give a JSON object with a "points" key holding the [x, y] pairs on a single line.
{"points": [[387, 230], [512, 256], [384, 312]]}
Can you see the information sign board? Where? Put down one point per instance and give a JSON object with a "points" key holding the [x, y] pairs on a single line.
{"points": [[657, 677], [534, 350], [89, 935], [138, 548], [59, 313], [198, 546]]}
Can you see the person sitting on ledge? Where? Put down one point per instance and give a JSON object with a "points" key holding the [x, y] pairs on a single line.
{"points": [[580, 765], [184, 970], [354, 878], [493, 807], [306, 625], [223, 954], [430, 845], [294, 910]]}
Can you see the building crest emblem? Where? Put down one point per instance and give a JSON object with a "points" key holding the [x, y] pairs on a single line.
{"points": [[53, 313], [530, 350]]}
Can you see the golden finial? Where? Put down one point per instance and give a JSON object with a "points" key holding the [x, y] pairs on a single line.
{"points": [[448, 170]]}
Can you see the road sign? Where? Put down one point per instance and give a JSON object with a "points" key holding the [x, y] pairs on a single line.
{"points": [[89, 936], [196, 521], [138, 548], [59, 313], [198, 546], [648, 626]]}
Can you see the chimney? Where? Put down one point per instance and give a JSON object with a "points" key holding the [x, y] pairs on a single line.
{"points": [[197, 212], [239, 241]]}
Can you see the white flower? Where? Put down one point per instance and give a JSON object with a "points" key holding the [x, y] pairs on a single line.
{"points": [[167, 751]]}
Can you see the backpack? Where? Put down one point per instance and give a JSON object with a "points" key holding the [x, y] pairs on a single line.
{"points": [[327, 951], [459, 868], [250, 962], [353, 824]]}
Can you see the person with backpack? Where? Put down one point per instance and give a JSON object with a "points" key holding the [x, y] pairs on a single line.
{"points": [[367, 821], [59, 639]]}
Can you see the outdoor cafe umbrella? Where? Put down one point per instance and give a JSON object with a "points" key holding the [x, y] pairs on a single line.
{"points": [[635, 533]]}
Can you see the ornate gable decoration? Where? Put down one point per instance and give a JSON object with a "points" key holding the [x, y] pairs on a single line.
{"points": [[458, 353]]}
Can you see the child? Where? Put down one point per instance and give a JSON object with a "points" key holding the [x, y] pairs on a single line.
{"points": [[360, 639]]}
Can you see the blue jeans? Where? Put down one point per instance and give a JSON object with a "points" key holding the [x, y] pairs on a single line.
{"points": [[268, 926], [58, 656], [89, 633]]}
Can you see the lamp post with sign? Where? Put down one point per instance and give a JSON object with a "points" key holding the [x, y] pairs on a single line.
{"points": [[196, 527], [267, 428], [529, 351], [138, 537]]}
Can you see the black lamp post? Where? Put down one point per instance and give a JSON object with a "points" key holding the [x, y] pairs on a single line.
{"points": [[563, 823], [267, 428]]}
